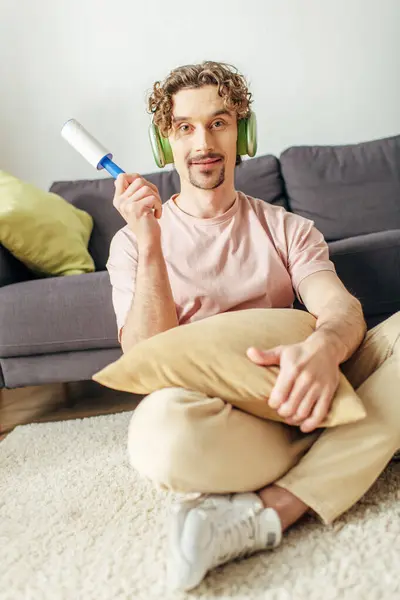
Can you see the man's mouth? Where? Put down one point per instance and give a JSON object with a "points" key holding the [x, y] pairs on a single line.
{"points": [[206, 161]]}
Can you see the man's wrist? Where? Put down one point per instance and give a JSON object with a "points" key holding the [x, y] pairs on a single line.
{"points": [[150, 249], [328, 341]]}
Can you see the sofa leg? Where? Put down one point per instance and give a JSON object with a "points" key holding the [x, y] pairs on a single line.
{"points": [[23, 405]]}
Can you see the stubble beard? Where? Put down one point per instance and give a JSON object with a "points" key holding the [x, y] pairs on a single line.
{"points": [[207, 181]]}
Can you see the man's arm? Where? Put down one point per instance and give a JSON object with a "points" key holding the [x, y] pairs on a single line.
{"points": [[340, 325], [340, 320], [309, 371], [153, 308]]}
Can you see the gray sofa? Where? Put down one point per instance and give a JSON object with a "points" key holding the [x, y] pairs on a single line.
{"points": [[63, 329]]}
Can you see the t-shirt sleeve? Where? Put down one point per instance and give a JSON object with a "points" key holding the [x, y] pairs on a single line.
{"points": [[307, 250], [122, 268]]}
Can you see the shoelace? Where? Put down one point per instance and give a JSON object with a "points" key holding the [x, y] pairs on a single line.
{"points": [[236, 537]]}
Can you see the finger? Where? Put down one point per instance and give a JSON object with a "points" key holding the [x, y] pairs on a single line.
{"points": [[153, 185], [137, 184], [300, 390], [319, 412], [140, 195], [291, 421], [143, 192], [306, 406], [140, 208], [282, 387], [264, 357], [158, 211], [123, 181]]}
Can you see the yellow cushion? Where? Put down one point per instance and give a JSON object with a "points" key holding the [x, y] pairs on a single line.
{"points": [[45, 232], [209, 356]]}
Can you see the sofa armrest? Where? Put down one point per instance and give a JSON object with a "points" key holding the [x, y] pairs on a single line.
{"points": [[11, 269]]}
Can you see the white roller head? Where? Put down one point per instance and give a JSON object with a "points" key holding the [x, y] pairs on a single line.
{"points": [[84, 143]]}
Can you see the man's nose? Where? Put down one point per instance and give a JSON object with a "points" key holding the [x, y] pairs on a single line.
{"points": [[203, 140]]}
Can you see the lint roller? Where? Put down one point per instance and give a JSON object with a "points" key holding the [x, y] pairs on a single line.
{"points": [[94, 152]]}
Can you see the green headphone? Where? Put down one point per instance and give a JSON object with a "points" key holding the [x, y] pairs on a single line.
{"points": [[246, 141]]}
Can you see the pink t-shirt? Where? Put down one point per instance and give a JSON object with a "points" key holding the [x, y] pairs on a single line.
{"points": [[253, 256]]}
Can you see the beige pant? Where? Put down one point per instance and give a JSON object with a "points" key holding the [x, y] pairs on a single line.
{"points": [[187, 442]]}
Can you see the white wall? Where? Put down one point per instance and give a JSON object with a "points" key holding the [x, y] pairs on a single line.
{"points": [[321, 71]]}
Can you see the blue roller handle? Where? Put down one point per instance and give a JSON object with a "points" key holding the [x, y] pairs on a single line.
{"points": [[111, 167]]}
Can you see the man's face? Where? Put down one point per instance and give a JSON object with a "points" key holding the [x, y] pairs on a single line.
{"points": [[203, 137]]}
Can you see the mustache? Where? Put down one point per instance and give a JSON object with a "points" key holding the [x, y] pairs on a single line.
{"points": [[211, 155]]}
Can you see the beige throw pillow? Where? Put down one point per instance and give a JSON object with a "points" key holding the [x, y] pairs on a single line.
{"points": [[209, 356]]}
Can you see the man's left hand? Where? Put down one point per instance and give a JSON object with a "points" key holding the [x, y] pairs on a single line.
{"points": [[307, 381]]}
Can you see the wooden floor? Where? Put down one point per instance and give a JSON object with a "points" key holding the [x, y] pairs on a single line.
{"points": [[91, 400], [71, 401]]}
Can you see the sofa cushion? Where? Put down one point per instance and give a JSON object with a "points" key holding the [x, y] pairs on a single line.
{"points": [[36, 370], [57, 314], [369, 266], [259, 177], [346, 190]]}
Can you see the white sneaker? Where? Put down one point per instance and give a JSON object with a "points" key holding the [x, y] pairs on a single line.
{"points": [[210, 531]]}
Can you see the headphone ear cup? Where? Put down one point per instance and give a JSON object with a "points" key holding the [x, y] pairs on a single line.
{"points": [[167, 150], [247, 136], [251, 134], [241, 146], [160, 146]]}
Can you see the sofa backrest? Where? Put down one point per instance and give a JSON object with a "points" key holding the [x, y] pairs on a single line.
{"points": [[259, 177], [346, 190]]}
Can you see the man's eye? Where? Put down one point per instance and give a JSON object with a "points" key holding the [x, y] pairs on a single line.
{"points": [[219, 124], [182, 128]]}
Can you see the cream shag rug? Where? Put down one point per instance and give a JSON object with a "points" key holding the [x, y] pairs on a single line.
{"points": [[77, 523]]}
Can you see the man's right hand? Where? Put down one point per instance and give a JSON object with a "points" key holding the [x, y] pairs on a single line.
{"points": [[139, 203]]}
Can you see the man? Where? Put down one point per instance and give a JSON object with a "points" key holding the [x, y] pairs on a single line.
{"points": [[210, 249]]}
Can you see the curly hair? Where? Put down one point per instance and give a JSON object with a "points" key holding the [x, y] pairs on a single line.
{"points": [[232, 87]]}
